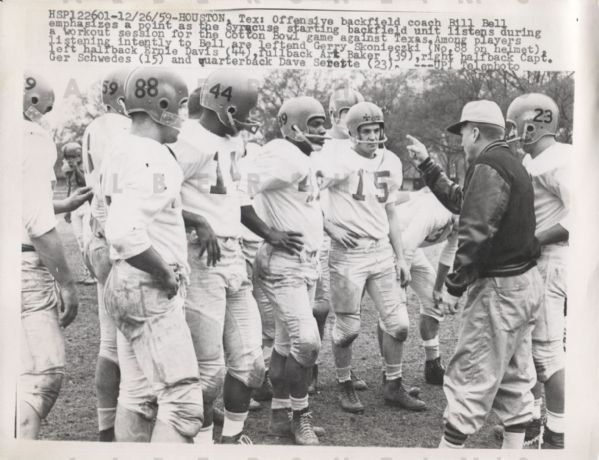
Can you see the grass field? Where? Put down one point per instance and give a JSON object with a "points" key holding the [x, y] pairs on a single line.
{"points": [[74, 415]]}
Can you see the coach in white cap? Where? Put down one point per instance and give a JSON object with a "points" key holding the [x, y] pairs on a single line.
{"points": [[495, 265]]}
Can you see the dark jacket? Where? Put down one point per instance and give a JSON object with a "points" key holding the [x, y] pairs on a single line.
{"points": [[497, 220]]}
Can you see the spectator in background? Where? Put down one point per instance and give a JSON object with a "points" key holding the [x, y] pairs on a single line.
{"points": [[73, 170]]}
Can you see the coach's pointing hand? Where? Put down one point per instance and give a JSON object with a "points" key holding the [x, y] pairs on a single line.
{"points": [[289, 241], [417, 151]]}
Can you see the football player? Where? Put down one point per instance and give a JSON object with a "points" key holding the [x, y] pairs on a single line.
{"points": [[220, 309], [424, 222], [341, 100], [144, 291], [48, 295], [284, 179], [532, 123], [366, 251], [99, 140]]}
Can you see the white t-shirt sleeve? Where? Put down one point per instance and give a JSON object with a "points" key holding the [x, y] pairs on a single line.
{"points": [[133, 207], [449, 248], [557, 182], [190, 159], [414, 234], [38, 209], [275, 167], [39, 157]]}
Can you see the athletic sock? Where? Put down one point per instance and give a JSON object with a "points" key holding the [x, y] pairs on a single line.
{"points": [[393, 371], [513, 436], [298, 404], [445, 444], [453, 438], [431, 348], [512, 440], [234, 422], [277, 403], [204, 436], [343, 374], [106, 418], [555, 422]]}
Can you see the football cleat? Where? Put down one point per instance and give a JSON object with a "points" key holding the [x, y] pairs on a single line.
{"points": [[349, 398], [434, 371], [396, 395], [358, 383], [302, 429]]}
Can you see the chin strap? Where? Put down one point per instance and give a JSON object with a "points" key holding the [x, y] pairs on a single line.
{"points": [[307, 138]]}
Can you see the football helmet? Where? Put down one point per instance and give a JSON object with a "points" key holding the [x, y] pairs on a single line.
{"points": [[157, 91], [365, 113], [342, 99], [531, 117], [113, 90], [294, 115], [232, 95], [38, 96], [71, 149]]}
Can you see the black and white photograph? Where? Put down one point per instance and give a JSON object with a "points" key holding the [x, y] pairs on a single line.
{"points": [[255, 226]]}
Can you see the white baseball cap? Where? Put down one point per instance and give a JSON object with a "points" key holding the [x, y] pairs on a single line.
{"points": [[479, 112]]}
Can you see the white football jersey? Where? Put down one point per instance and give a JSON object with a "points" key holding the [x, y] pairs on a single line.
{"points": [[211, 175], [251, 150], [38, 158], [100, 139], [144, 198], [360, 188], [550, 172], [424, 221], [284, 180]]}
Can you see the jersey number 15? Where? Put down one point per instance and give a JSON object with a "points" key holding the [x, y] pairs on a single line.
{"points": [[378, 183]]}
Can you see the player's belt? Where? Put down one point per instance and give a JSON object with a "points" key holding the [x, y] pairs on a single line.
{"points": [[27, 248]]}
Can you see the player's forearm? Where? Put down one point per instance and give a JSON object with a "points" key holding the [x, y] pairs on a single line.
{"points": [[252, 221], [51, 253], [150, 262], [395, 233], [329, 227], [194, 220], [555, 234], [65, 205], [442, 272]]}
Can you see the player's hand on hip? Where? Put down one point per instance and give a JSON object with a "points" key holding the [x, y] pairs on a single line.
{"points": [[170, 282], [69, 304], [208, 243], [80, 196], [345, 238], [289, 241], [403, 272], [417, 151]]}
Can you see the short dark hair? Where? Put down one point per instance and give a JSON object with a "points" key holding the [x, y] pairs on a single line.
{"points": [[490, 132]]}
